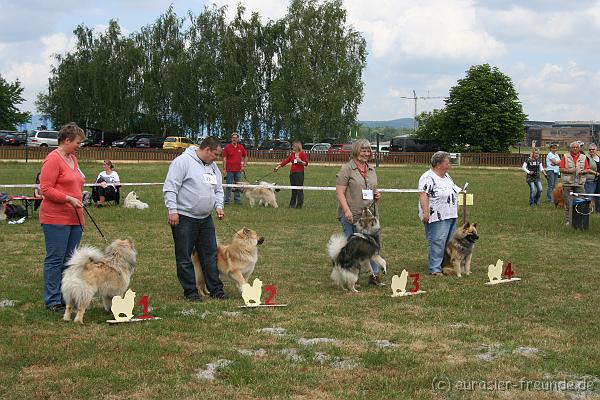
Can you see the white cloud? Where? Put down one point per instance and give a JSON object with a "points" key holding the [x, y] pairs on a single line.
{"points": [[33, 74], [434, 29]]}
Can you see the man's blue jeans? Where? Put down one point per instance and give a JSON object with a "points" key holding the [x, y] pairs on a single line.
{"points": [[591, 187], [349, 229], [232, 177], [196, 233], [438, 235], [535, 190], [61, 241], [551, 176]]}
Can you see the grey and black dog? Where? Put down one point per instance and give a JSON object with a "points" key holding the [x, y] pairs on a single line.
{"points": [[349, 255]]}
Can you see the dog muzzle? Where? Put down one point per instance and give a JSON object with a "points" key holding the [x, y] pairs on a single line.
{"points": [[260, 240], [472, 238]]}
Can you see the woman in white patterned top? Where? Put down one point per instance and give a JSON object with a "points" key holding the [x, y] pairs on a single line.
{"points": [[438, 209], [108, 180]]}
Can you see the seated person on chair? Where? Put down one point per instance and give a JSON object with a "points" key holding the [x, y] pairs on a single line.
{"points": [[108, 181]]}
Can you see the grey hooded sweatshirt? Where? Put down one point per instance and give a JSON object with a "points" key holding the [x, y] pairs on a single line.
{"points": [[187, 190]]}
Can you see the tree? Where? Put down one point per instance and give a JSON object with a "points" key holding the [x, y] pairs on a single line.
{"points": [[483, 113], [10, 96]]}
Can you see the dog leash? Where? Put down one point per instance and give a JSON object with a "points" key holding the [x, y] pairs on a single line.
{"points": [[95, 224], [263, 177]]}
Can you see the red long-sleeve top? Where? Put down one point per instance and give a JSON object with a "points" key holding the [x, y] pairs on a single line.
{"points": [[57, 180], [295, 167]]}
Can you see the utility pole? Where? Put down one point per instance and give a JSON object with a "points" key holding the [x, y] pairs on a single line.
{"points": [[415, 99]]}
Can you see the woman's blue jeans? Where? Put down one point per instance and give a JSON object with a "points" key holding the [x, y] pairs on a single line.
{"points": [[438, 235], [349, 229], [535, 190], [61, 241]]}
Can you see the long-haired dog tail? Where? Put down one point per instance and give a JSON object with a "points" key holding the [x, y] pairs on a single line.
{"points": [[337, 241], [84, 255], [73, 288]]}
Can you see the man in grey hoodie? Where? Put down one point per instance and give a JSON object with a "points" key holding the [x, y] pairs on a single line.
{"points": [[192, 189]]}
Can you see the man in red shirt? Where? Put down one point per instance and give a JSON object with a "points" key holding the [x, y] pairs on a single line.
{"points": [[234, 162], [573, 167]]}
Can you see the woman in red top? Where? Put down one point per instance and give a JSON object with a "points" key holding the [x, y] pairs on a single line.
{"points": [[61, 212], [299, 160]]}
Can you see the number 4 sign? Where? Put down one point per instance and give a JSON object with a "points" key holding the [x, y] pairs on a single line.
{"points": [[495, 273], [399, 284]]}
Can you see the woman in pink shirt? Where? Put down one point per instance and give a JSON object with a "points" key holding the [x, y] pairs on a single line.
{"points": [[61, 212]]}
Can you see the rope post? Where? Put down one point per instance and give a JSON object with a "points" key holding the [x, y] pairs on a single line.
{"points": [[464, 213]]}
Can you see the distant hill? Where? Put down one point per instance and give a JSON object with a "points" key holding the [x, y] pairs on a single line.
{"points": [[395, 123], [36, 121]]}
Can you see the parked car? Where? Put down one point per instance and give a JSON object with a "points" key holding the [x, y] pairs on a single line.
{"points": [[177, 142], [41, 138], [156, 142], [275, 145], [131, 140], [307, 146], [320, 147], [15, 139], [248, 145], [413, 144], [102, 139], [3, 135], [345, 148]]}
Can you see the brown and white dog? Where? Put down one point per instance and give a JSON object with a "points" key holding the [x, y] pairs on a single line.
{"points": [[89, 271], [236, 260]]}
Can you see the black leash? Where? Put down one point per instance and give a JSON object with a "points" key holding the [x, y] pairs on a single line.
{"points": [[262, 178], [95, 224]]}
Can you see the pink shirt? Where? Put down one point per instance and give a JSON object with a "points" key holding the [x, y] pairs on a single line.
{"points": [[58, 180]]}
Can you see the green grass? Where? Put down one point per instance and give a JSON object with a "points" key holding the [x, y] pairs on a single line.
{"points": [[439, 334]]}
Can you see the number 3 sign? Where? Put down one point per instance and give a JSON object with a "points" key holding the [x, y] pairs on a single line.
{"points": [[399, 284]]}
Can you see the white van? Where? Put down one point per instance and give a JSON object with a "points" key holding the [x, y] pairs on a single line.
{"points": [[43, 139]]}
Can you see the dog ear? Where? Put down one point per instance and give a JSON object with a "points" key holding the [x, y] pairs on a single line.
{"points": [[475, 225], [246, 231], [467, 225]]}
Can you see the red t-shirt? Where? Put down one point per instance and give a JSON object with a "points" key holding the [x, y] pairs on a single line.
{"points": [[295, 167], [57, 180], [233, 157], [575, 158]]}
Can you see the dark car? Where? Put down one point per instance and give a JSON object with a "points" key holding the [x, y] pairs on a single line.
{"points": [[275, 145], [131, 140], [102, 139], [345, 148], [409, 144], [3, 134], [248, 145], [15, 139], [151, 142]]}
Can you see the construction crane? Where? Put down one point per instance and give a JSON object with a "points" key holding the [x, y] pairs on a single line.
{"points": [[422, 98]]}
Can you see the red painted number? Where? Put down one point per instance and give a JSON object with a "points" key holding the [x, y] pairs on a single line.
{"points": [[508, 272], [144, 303], [415, 283], [270, 289]]}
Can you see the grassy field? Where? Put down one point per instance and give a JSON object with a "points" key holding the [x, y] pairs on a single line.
{"points": [[461, 339]]}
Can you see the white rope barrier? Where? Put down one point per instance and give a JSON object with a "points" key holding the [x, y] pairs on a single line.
{"points": [[584, 194], [318, 188]]}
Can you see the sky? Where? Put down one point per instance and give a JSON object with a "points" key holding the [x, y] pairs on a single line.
{"points": [[549, 48]]}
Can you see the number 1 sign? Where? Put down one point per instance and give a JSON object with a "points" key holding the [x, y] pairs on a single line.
{"points": [[124, 306]]}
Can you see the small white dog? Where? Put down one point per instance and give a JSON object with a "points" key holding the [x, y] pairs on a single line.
{"points": [[265, 196], [132, 201]]}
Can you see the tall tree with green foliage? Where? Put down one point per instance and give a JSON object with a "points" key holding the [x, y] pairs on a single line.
{"points": [[483, 113], [10, 97], [319, 87]]}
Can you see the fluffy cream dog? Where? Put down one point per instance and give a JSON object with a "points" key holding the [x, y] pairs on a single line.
{"points": [[90, 272], [236, 260], [264, 195], [132, 201]]}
